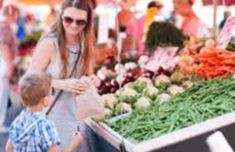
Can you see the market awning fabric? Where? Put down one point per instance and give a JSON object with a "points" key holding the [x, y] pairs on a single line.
{"points": [[39, 2], [220, 2]]}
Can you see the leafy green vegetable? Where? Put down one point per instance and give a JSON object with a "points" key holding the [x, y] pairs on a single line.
{"points": [[205, 100], [163, 34]]}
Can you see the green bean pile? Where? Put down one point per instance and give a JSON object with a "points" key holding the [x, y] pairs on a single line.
{"points": [[205, 100]]}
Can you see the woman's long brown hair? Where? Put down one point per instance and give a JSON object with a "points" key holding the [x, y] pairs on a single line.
{"points": [[57, 30]]}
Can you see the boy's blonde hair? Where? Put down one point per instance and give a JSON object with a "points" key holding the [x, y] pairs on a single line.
{"points": [[34, 86]]}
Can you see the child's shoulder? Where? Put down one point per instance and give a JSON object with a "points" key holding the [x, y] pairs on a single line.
{"points": [[28, 118]]}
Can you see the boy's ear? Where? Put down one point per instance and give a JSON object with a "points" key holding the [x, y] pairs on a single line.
{"points": [[45, 101]]}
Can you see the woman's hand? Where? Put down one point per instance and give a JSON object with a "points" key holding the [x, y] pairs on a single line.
{"points": [[72, 85], [81, 87]]}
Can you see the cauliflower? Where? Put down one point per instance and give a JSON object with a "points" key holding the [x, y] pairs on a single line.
{"points": [[164, 97], [177, 77], [141, 83], [162, 79], [143, 60], [130, 66], [151, 92], [187, 84], [109, 100], [174, 89], [142, 102], [128, 95], [107, 112], [145, 80], [124, 107], [129, 92], [129, 85]]}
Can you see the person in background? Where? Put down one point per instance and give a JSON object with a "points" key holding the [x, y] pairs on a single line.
{"points": [[222, 23], [68, 45], [172, 18], [31, 130], [191, 25], [7, 55], [153, 14], [51, 17], [124, 16], [137, 27]]}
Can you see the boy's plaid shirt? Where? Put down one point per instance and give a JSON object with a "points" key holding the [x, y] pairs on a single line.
{"points": [[32, 132]]}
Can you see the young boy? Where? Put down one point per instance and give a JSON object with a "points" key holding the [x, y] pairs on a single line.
{"points": [[31, 131]]}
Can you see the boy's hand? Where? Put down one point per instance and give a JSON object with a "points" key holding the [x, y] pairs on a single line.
{"points": [[76, 141], [9, 147]]}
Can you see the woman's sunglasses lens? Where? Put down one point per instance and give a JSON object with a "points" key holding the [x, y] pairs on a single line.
{"points": [[81, 22], [68, 20]]}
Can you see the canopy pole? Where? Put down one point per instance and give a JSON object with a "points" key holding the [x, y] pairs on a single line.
{"points": [[215, 6]]}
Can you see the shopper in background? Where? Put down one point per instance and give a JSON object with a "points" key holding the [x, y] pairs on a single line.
{"points": [[153, 14], [191, 25], [7, 55], [137, 28], [69, 39], [51, 17], [222, 23]]}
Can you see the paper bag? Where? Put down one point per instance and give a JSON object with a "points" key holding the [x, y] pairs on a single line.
{"points": [[90, 105]]}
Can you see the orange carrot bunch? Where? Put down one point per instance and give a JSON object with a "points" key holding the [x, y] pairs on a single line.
{"points": [[214, 63]]}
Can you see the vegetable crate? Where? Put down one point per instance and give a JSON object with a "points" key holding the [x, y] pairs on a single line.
{"points": [[192, 138]]}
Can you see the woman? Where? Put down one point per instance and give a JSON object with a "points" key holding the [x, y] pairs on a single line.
{"points": [[56, 53], [192, 25], [7, 52]]}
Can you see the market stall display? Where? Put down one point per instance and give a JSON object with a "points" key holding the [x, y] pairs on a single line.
{"points": [[207, 104], [205, 100], [214, 62], [143, 93]]}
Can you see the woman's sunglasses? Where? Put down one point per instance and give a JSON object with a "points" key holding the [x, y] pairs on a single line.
{"points": [[69, 20]]}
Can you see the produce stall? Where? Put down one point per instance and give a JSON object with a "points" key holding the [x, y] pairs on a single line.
{"points": [[181, 124], [171, 99], [191, 139]]}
